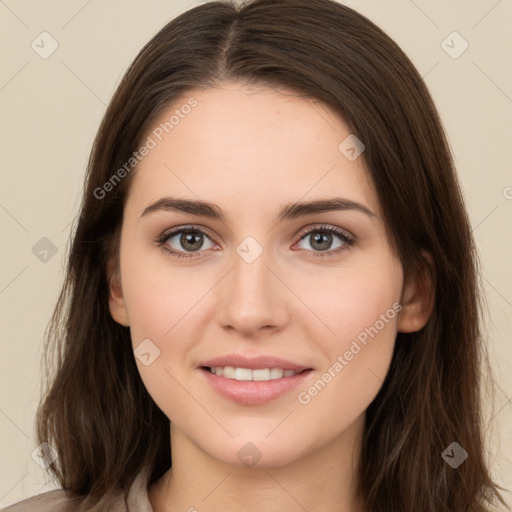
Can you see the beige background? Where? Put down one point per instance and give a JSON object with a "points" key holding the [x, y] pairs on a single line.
{"points": [[51, 109]]}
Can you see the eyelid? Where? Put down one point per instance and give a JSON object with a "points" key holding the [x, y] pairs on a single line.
{"points": [[324, 227], [187, 227]]}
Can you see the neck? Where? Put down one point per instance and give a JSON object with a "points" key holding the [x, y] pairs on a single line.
{"points": [[323, 480]]}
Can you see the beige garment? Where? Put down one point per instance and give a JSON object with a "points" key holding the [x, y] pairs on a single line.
{"points": [[54, 501]]}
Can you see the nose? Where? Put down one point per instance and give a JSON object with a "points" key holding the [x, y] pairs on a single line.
{"points": [[251, 298]]}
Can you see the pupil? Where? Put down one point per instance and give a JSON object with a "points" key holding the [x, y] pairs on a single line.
{"points": [[190, 238], [326, 240]]}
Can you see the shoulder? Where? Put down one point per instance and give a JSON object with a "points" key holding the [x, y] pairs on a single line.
{"points": [[54, 501], [58, 500]]}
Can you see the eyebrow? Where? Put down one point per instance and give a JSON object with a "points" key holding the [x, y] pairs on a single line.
{"points": [[289, 211]]}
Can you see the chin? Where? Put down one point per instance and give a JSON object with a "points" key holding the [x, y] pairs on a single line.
{"points": [[256, 452]]}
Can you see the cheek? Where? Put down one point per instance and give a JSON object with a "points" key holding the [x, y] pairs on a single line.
{"points": [[357, 362], [366, 307], [163, 307], [159, 299], [360, 305], [348, 300]]}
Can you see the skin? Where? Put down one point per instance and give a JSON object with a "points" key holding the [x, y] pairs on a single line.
{"points": [[250, 150]]}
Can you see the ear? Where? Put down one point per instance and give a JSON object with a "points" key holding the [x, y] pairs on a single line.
{"points": [[418, 299], [116, 302]]}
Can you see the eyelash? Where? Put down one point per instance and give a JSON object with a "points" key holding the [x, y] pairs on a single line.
{"points": [[347, 240]]}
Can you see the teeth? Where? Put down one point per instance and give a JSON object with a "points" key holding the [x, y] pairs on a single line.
{"points": [[276, 373], [243, 374], [230, 372], [263, 374]]}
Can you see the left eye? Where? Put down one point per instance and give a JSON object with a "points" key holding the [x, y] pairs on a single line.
{"points": [[321, 239]]}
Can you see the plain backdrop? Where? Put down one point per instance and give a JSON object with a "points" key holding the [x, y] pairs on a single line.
{"points": [[51, 107]]}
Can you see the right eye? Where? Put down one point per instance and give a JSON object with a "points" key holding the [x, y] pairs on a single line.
{"points": [[184, 242]]}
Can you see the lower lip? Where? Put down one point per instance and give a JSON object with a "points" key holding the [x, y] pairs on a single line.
{"points": [[249, 392]]}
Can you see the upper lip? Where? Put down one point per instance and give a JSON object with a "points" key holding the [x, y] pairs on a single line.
{"points": [[253, 363]]}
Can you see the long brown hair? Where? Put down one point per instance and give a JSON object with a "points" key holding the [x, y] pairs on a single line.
{"points": [[95, 409]]}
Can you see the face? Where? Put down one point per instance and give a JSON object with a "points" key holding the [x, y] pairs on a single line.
{"points": [[319, 289]]}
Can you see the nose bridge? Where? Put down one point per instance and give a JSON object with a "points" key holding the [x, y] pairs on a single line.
{"points": [[248, 298]]}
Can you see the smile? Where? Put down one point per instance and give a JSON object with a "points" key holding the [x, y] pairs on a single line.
{"points": [[253, 387]]}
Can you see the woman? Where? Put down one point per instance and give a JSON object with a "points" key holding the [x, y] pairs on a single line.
{"points": [[272, 279]]}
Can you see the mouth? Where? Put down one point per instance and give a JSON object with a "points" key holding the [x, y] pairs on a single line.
{"points": [[246, 386]]}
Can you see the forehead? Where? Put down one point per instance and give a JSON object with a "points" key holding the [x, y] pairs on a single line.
{"points": [[249, 148]]}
